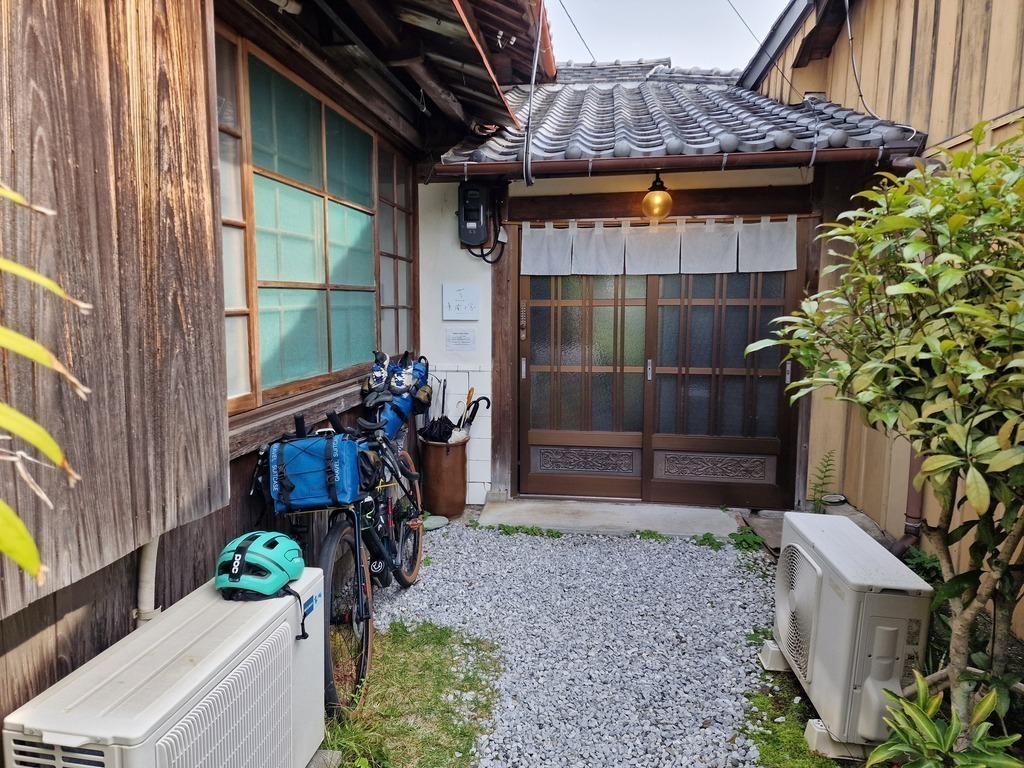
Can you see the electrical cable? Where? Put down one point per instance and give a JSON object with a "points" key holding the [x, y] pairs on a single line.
{"points": [[578, 33], [496, 222], [853, 63], [527, 170]]}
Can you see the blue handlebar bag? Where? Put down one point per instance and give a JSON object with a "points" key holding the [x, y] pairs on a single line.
{"points": [[309, 473]]}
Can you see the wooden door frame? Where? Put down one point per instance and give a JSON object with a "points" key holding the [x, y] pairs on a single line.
{"points": [[505, 370]]}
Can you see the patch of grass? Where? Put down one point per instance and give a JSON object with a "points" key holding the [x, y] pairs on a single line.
{"points": [[650, 535], [427, 560], [529, 530], [429, 691], [757, 635], [707, 540], [746, 540], [775, 721]]}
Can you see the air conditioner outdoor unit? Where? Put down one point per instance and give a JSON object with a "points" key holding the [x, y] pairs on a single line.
{"points": [[851, 620], [209, 683]]}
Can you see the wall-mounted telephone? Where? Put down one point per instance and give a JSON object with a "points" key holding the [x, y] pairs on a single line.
{"points": [[474, 213]]}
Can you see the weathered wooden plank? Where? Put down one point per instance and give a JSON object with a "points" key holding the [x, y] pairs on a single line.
{"points": [[899, 104], [887, 74], [922, 64], [972, 57], [60, 149], [27, 641], [870, 47], [504, 392], [946, 66], [174, 358], [1004, 60]]}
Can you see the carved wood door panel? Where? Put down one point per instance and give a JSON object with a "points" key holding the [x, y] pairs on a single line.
{"points": [[637, 387]]}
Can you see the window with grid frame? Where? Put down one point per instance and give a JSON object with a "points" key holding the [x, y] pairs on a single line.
{"points": [[302, 224]]}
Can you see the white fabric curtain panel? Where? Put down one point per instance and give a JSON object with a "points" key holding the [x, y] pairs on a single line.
{"points": [[768, 246], [653, 249], [546, 250], [709, 248], [598, 251]]}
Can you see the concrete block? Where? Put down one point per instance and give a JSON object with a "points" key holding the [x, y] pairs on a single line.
{"points": [[478, 471], [476, 493], [479, 447]]}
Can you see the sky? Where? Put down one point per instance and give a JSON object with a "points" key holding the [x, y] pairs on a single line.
{"points": [[694, 33]]}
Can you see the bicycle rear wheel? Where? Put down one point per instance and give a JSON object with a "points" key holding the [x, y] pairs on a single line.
{"points": [[408, 521], [349, 630]]}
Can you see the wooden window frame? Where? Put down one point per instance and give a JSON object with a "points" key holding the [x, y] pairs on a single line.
{"points": [[258, 397]]}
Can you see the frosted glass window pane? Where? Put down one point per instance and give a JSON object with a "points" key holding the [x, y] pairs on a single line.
{"points": [[633, 342], [540, 335], [540, 287], [387, 281], [732, 409], [773, 285], [293, 334], [289, 233], [570, 394], [404, 330], [667, 402], [698, 405], [603, 336], [388, 331], [601, 402], [736, 336], [540, 400], [350, 245], [386, 227], [738, 286], [403, 248], [702, 321], [671, 286], [570, 335], [603, 287], [349, 160], [233, 248], [402, 196], [772, 356], [226, 54], [636, 287], [572, 287], [633, 412], [702, 286], [236, 337], [668, 336], [404, 283], [230, 178], [285, 126], [385, 175], [353, 328], [767, 416]]}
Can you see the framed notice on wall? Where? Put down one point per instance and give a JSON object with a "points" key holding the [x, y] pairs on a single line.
{"points": [[460, 301]]}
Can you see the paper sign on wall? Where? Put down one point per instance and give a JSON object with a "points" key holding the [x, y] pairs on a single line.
{"points": [[460, 340], [460, 301]]}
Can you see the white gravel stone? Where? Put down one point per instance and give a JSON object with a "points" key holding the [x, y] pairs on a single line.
{"points": [[618, 651]]}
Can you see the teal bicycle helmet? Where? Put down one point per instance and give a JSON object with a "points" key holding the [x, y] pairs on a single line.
{"points": [[258, 564]]}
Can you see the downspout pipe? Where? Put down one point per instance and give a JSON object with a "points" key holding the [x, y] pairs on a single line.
{"points": [[914, 514], [146, 591]]}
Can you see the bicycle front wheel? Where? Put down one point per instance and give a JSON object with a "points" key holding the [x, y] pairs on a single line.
{"points": [[349, 630], [408, 527]]}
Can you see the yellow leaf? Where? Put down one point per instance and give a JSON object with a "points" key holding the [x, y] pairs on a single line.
{"points": [[37, 353], [19, 424], [17, 543], [977, 491], [31, 275], [1005, 431]]}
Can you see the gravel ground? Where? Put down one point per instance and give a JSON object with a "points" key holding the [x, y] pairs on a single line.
{"points": [[618, 651]]}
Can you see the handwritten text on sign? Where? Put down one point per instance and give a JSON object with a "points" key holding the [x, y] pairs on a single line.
{"points": [[460, 301]]}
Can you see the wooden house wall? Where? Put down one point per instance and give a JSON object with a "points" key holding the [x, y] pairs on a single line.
{"points": [[105, 120], [938, 65]]}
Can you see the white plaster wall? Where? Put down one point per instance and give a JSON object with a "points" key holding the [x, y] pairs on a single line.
{"points": [[442, 260]]}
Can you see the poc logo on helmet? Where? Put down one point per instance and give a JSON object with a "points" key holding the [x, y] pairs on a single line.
{"points": [[236, 563]]}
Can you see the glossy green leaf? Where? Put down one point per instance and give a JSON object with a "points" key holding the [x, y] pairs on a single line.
{"points": [[17, 543]]}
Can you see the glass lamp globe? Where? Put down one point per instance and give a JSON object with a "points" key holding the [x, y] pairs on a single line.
{"points": [[657, 202]]}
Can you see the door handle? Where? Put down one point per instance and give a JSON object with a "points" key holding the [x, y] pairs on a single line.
{"points": [[650, 370], [522, 322], [522, 368], [789, 371]]}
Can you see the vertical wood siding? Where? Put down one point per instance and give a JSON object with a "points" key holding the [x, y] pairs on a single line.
{"points": [[105, 120], [938, 65]]}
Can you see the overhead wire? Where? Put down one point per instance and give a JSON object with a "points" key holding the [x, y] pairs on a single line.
{"points": [[578, 33]]}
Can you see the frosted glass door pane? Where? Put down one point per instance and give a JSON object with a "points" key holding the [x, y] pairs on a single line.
{"points": [[571, 335], [230, 178], [570, 386], [349, 160], [602, 331], [698, 405], [233, 247], [285, 126], [293, 334], [767, 416], [732, 406], [668, 391], [601, 413], [289, 233], [540, 335], [350, 244], [633, 398], [540, 400], [236, 336], [353, 328], [668, 336], [226, 54], [702, 336], [736, 336], [633, 342]]}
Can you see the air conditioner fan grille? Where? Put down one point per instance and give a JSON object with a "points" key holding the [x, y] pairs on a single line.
{"points": [[796, 598]]}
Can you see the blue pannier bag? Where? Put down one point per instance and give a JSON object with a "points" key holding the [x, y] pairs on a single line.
{"points": [[309, 473], [395, 413]]}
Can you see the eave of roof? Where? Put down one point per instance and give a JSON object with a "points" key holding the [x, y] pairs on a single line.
{"points": [[782, 32]]}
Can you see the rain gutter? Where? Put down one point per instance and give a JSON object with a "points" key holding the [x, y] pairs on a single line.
{"points": [[667, 163]]}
